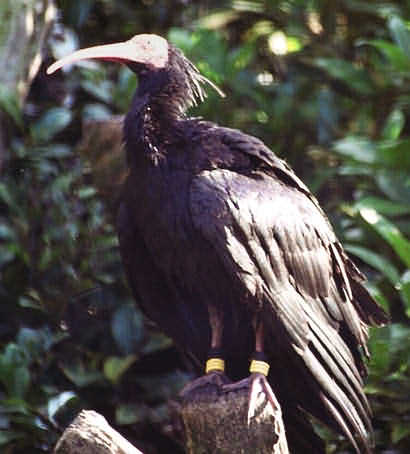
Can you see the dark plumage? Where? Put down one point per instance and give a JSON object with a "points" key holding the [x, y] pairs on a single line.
{"points": [[211, 218]]}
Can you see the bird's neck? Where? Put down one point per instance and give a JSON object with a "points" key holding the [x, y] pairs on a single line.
{"points": [[151, 126]]}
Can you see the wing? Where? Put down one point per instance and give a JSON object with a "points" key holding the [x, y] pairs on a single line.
{"points": [[153, 294], [273, 238]]}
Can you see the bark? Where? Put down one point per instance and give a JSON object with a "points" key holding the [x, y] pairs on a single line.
{"points": [[90, 433], [24, 27], [218, 422], [211, 421]]}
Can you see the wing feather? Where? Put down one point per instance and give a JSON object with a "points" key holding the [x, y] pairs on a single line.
{"points": [[276, 241]]}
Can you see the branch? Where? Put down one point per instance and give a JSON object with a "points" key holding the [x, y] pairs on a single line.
{"points": [[90, 433]]}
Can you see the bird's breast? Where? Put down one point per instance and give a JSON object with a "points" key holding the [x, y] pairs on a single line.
{"points": [[159, 203]]}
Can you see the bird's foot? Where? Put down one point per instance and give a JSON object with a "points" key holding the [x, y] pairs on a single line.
{"points": [[259, 391], [212, 380]]}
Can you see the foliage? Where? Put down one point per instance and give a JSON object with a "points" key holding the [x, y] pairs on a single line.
{"points": [[323, 83]]}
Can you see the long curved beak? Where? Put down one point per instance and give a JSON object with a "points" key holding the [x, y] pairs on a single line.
{"points": [[126, 51]]}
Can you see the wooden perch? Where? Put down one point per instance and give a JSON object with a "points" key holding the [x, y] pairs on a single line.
{"points": [[218, 422], [90, 433], [213, 422]]}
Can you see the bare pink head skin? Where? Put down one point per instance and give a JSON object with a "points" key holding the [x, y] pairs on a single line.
{"points": [[145, 49]]}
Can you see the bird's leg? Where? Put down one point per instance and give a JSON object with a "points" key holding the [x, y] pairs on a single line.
{"points": [[215, 362], [260, 391], [259, 370], [215, 365]]}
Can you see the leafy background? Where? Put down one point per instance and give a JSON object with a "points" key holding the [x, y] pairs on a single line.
{"points": [[324, 83]]}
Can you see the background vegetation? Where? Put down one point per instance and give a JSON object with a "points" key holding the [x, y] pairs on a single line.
{"points": [[324, 83]]}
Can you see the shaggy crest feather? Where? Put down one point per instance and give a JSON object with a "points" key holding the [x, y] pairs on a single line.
{"points": [[194, 81]]}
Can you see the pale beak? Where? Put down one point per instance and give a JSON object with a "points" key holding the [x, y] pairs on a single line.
{"points": [[145, 49], [121, 52]]}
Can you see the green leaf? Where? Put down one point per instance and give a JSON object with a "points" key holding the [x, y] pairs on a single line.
{"points": [[115, 366], [405, 290], [127, 328], [358, 148], [131, 413], [27, 302], [35, 342], [57, 151], [80, 374], [380, 359], [217, 20], [14, 373], [96, 112], [376, 293], [15, 405], [102, 89], [86, 192], [248, 6], [400, 431], [389, 232], [393, 125], [6, 436], [389, 345], [395, 154], [6, 195], [156, 342], [51, 123], [348, 73], [6, 232], [240, 57], [383, 206], [377, 261], [9, 103], [64, 43], [182, 38], [7, 253], [395, 183], [400, 33], [397, 58]]}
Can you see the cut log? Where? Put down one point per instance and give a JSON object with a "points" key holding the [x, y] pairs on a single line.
{"points": [[90, 433], [215, 421]]}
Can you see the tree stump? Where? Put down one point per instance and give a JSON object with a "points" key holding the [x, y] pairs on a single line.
{"points": [[216, 421]]}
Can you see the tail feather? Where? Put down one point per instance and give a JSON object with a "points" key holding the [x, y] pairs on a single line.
{"points": [[342, 423]]}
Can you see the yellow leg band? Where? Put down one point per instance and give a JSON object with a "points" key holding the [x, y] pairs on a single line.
{"points": [[215, 364], [259, 367]]}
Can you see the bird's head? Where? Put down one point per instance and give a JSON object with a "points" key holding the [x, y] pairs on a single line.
{"points": [[162, 69]]}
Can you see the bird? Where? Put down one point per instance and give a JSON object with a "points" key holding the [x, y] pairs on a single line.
{"points": [[231, 255]]}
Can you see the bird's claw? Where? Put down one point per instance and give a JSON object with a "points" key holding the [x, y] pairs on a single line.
{"points": [[214, 379], [260, 394]]}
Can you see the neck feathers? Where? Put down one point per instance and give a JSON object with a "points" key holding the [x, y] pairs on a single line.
{"points": [[159, 107]]}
